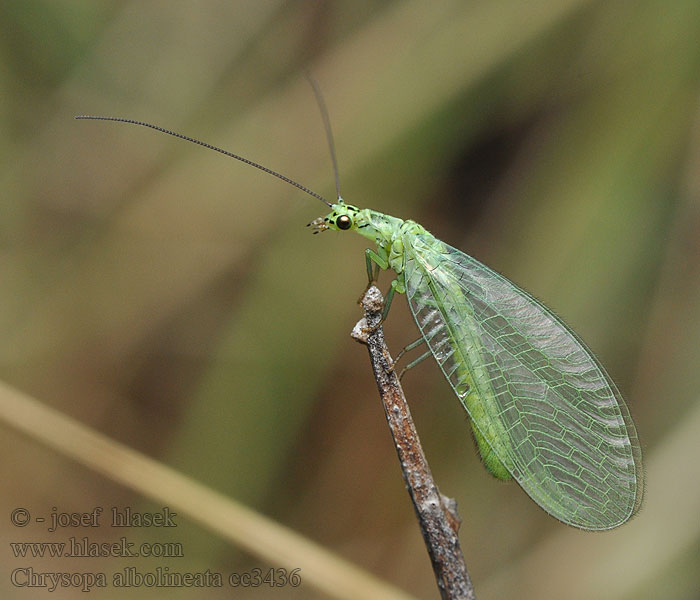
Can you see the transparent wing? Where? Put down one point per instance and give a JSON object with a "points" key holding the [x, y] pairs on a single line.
{"points": [[567, 435]]}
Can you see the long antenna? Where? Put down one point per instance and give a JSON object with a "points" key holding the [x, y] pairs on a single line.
{"points": [[210, 147], [327, 126]]}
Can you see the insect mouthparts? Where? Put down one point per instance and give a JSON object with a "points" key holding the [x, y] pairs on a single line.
{"points": [[319, 224]]}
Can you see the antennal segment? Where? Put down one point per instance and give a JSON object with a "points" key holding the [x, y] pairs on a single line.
{"points": [[327, 127], [210, 147]]}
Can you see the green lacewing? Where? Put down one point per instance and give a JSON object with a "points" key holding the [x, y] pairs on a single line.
{"points": [[542, 408]]}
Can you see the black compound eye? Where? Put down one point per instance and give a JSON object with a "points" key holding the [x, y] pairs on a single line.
{"points": [[343, 222]]}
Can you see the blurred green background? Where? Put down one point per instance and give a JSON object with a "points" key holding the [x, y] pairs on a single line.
{"points": [[173, 299]]}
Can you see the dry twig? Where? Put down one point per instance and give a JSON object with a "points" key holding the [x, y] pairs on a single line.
{"points": [[437, 514]]}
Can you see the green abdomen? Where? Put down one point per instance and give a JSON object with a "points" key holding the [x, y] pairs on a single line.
{"points": [[492, 463], [489, 432]]}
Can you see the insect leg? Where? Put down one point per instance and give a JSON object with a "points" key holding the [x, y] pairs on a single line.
{"points": [[388, 299], [405, 349], [412, 364], [380, 262]]}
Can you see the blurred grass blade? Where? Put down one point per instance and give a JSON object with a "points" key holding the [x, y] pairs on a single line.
{"points": [[224, 516]]}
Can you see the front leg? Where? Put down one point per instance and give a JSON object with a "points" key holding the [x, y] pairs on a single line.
{"points": [[380, 262], [375, 262]]}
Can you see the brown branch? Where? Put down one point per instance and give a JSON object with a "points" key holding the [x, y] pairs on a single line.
{"points": [[436, 514]]}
